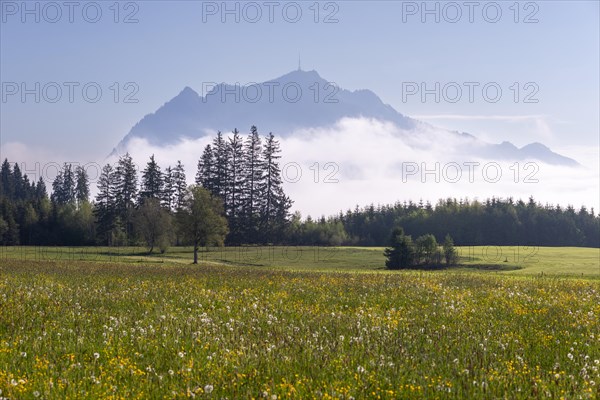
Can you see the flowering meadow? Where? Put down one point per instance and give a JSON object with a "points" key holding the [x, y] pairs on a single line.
{"points": [[80, 329]]}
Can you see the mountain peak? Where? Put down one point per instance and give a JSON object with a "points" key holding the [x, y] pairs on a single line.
{"points": [[535, 146], [300, 75], [188, 92], [312, 104]]}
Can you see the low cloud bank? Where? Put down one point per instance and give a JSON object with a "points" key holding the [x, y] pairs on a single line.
{"points": [[363, 161]]}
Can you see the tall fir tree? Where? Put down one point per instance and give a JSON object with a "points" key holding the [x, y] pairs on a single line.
{"points": [[6, 181], [105, 207], [168, 191], [18, 184], [180, 185], [69, 183], [40, 189], [275, 204], [152, 181], [235, 182], [58, 197], [126, 185], [253, 180], [205, 176], [82, 188], [125, 190], [220, 169], [63, 187]]}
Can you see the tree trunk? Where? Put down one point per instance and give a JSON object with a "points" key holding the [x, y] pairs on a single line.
{"points": [[195, 253]]}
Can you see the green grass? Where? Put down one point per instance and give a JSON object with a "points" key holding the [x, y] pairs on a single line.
{"points": [[519, 260], [88, 330]]}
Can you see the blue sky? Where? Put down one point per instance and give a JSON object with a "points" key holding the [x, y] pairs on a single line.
{"points": [[379, 45]]}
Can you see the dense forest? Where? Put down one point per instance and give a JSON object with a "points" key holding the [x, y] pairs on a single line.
{"points": [[494, 221], [244, 175]]}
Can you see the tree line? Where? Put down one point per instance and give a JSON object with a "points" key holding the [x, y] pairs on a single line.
{"points": [[241, 180], [495, 221]]}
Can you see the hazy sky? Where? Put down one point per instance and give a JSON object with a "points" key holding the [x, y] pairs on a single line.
{"points": [[547, 50]]}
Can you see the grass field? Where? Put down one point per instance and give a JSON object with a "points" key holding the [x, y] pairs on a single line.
{"points": [[575, 261], [126, 326]]}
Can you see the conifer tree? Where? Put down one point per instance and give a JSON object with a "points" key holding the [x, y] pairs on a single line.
{"points": [[275, 204], [105, 207], [205, 176], [152, 181], [253, 180], [126, 185], [400, 254], [82, 189], [168, 189], [6, 181], [63, 187], [235, 182], [220, 169], [179, 185]]}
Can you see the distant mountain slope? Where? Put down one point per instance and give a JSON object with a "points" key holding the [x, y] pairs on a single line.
{"points": [[297, 100]]}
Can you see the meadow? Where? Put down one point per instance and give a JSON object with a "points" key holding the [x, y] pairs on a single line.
{"points": [[97, 323], [572, 261]]}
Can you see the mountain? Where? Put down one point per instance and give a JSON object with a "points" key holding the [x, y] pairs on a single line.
{"points": [[298, 100], [532, 151]]}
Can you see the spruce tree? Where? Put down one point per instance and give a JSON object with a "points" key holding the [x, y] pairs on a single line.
{"points": [[253, 180], [235, 182], [82, 188], [40, 189], [105, 206], [400, 254], [126, 188], [205, 176], [179, 185], [63, 187], [275, 204], [125, 192], [152, 181], [220, 169], [68, 183], [18, 186], [58, 196], [168, 191], [6, 180]]}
